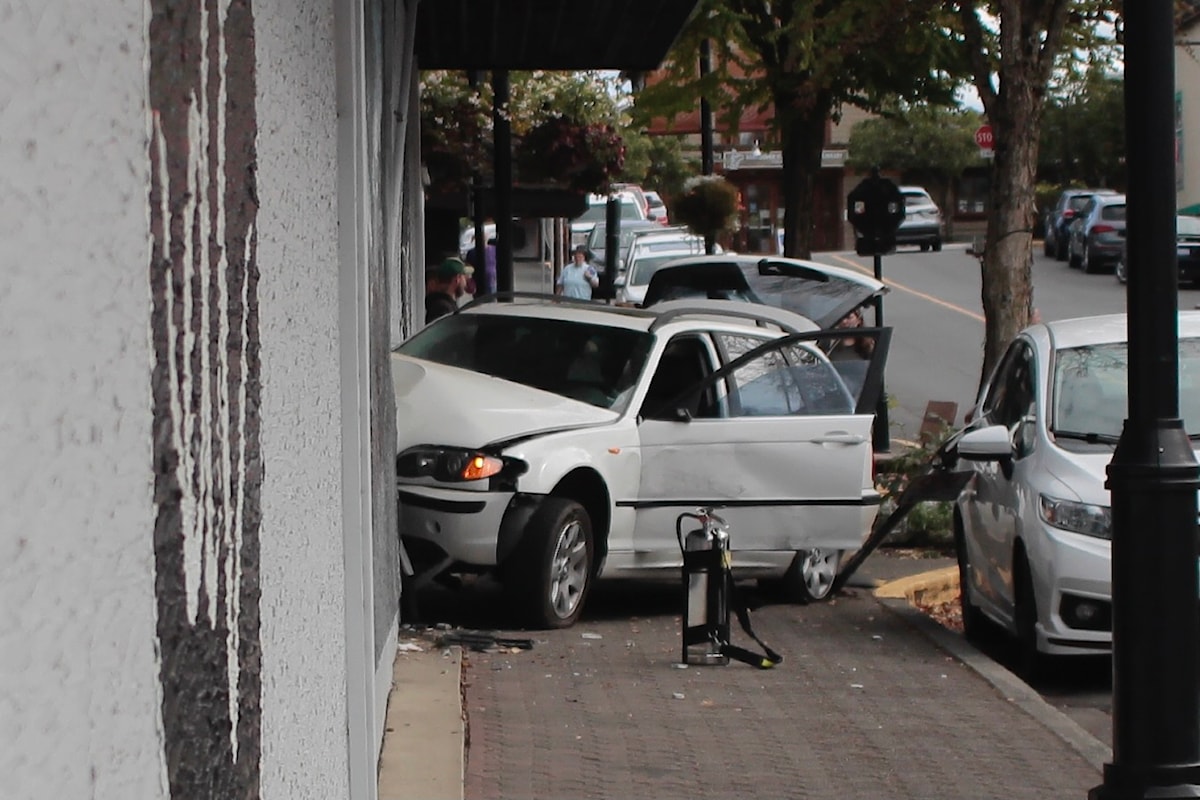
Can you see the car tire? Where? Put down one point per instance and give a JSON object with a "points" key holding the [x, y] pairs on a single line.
{"points": [[809, 578], [550, 572], [1073, 260], [973, 621], [1060, 250], [1031, 663], [1086, 262], [925, 247], [1048, 248], [1121, 270], [937, 245]]}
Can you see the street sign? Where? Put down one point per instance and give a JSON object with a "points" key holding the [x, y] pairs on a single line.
{"points": [[983, 137]]}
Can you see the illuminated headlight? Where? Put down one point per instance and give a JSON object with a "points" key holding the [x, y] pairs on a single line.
{"points": [[452, 464], [1076, 517]]}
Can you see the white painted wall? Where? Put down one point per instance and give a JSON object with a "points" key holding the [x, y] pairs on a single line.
{"points": [[303, 582], [80, 698], [79, 703]]}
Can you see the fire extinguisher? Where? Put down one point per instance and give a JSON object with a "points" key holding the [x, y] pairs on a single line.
{"points": [[706, 601], [709, 594]]}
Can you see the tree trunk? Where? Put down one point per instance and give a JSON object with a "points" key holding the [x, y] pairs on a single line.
{"points": [[803, 139], [1008, 255]]}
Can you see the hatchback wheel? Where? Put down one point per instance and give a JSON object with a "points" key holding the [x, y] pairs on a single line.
{"points": [[550, 571], [1121, 271], [1086, 261], [937, 245]]}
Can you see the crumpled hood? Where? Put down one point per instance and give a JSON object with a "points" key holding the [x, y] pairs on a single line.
{"points": [[437, 404]]}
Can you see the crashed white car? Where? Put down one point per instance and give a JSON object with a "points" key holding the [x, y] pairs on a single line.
{"points": [[554, 442]]}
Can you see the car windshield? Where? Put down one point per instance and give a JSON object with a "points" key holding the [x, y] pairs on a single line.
{"points": [[597, 241], [597, 212], [913, 200], [1091, 390], [596, 364], [644, 267], [1078, 201]]}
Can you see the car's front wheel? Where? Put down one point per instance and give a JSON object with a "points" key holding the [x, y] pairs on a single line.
{"points": [[1121, 271], [936, 245], [550, 571]]}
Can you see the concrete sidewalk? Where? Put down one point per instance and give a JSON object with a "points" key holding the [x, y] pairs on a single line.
{"points": [[873, 700]]}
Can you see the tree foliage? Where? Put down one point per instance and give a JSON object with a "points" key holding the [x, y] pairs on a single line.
{"points": [[804, 60], [1083, 135], [1013, 48], [577, 110], [928, 145]]}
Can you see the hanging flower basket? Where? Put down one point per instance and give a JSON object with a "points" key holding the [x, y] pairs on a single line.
{"points": [[708, 205], [583, 157]]}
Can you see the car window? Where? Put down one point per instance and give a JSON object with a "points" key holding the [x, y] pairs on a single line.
{"points": [[596, 364], [913, 200], [1113, 212], [684, 363], [1078, 201], [1011, 394], [1187, 226], [787, 381]]}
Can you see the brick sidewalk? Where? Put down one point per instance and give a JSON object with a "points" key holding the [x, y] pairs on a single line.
{"points": [[864, 705]]}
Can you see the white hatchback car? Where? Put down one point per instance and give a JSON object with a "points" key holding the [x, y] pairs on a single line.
{"points": [[1033, 526], [554, 442]]}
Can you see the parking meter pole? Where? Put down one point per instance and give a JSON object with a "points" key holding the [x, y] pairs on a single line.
{"points": [[1154, 475], [612, 244], [881, 440]]}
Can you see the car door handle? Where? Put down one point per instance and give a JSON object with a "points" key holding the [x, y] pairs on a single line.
{"points": [[839, 438]]}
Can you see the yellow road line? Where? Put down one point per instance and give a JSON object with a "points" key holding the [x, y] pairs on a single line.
{"points": [[894, 285]]}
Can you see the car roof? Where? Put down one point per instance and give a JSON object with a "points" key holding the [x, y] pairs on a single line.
{"points": [[913, 190], [542, 306], [752, 261], [1101, 329]]}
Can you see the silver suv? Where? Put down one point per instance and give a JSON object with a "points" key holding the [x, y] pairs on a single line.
{"points": [[922, 223]]}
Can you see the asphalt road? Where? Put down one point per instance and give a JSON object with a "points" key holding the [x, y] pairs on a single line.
{"points": [[935, 309]]}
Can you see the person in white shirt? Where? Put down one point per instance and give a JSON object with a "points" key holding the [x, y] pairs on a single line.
{"points": [[578, 278]]}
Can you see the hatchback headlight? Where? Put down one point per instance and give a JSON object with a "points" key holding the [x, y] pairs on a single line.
{"points": [[454, 464], [1076, 517]]}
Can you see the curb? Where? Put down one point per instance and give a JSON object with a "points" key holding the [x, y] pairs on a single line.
{"points": [[422, 755], [896, 596]]}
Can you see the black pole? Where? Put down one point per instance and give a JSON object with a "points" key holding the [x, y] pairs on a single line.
{"points": [[706, 131], [502, 137], [881, 440], [1154, 474], [612, 243]]}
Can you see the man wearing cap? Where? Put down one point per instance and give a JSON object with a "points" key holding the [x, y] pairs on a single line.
{"points": [[448, 284]]}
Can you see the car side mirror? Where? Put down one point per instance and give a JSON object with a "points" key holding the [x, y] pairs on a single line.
{"points": [[992, 443]]}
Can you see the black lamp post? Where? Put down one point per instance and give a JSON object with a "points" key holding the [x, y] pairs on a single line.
{"points": [[1154, 475]]}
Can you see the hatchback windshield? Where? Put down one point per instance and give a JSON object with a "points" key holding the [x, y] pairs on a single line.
{"points": [[596, 364], [1091, 391], [597, 212]]}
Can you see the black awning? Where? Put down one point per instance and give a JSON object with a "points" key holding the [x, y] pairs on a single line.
{"points": [[632, 35]]}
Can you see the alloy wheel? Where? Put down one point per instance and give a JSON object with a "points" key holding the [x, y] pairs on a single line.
{"points": [[568, 569]]}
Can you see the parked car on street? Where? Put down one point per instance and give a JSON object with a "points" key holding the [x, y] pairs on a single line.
{"points": [[1059, 217], [643, 263], [1187, 252], [1097, 233], [922, 224], [819, 292], [1033, 527], [597, 240], [597, 210], [657, 208], [603, 424]]}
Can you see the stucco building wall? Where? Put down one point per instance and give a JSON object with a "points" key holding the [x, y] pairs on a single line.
{"points": [[183, 536], [79, 700]]}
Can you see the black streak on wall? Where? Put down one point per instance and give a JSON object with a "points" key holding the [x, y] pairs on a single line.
{"points": [[196, 682]]}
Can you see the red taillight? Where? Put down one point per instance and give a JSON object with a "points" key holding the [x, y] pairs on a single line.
{"points": [[1103, 229], [1068, 213]]}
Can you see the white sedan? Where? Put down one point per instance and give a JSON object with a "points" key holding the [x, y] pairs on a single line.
{"points": [[1033, 527], [555, 442]]}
